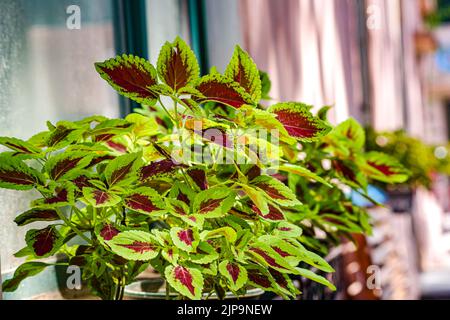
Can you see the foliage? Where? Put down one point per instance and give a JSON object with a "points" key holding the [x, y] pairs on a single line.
{"points": [[188, 184], [421, 159]]}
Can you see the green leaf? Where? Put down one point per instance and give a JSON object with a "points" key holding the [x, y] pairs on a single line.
{"points": [[131, 76], [63, 196], [123, 169], [235, 274], [217, 88], [351, 132], [204, 254], [267, 256], [177, 64], [186, 281], [381, 167], [299, 121], [18, 145], [285, 229], [185, 239], [227, 232], [100, 198], [143, 126], [36, 214], [64, 134], [275, 190], [322, 114], [25, 270], [302, 171], [67, 165], [266, 84], [214, 202], [242, 69], [44, 242], [257, 198], [15, 174], [134, 245], [315, 277]]}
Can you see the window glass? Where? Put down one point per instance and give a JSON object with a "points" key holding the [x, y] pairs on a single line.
{"points": [[47, 73]]}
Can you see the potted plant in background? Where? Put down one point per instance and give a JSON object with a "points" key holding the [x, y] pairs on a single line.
{"points": [[185, 189]]}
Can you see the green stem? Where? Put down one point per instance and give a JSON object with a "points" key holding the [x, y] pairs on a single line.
{"points": [[167, 111], [78, 232]]}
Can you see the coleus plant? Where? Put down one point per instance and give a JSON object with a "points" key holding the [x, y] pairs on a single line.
{"points": [[188, 185]]}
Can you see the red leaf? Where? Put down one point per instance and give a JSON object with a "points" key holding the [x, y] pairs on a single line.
{"points": [[44, 240], [234, 271], [279, 278], [187, 236], [129, 75], [199, 178], [259, 278], [217, 89], [281, 252], [385, 169], [140, 202], [108, 232], [16, 177], [36, 215], [117, 146], [100, 197], [274, 214], [298, 121], [63, 166], [183, 275], [158, 168], [209, 205], [61, 196], [271, 261]]}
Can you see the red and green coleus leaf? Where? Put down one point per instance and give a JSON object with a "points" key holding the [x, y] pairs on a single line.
{"points": [[20, 146], [275, 190], [110, 128], [351, 133], [350, 173], [25, 270], [260, 204], [235, 274], [36, 214], [182, 192], [123, 170], [267, 256], [181, 210], [106, 231], [131, 76], [15, 174], [199, 177], [63, 196], [177, 65], [185, 239], [44, 242], [100, 198], [214, 202], [284, 282], [242, 69], [143, 126], [286, 229], [145, 200], [134, 245], [226, 232], [64, 134], [299, 121], [203, 254], [274, 213], [158, 169], [287, 250], [67, 165], [218, 88], [381, 167], [259, 277], [187, 281]]}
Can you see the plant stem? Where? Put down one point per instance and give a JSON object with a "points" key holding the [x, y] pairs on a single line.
{"points": [[167, 111], [78, 232]]}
